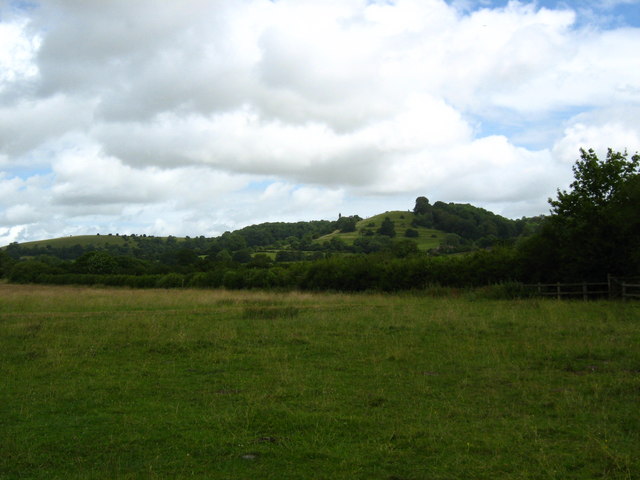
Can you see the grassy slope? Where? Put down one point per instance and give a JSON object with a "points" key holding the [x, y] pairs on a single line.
{"points": [[428, 238], [84, 240], [97, 240], [107, 384]]}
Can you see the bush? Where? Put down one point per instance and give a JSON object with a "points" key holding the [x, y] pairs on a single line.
{"points": [[29, 271], [171, 280], [233, 279], [503, 291]]}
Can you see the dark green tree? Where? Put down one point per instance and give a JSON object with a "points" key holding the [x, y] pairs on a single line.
{"points": [[387, 228], [242, 256], [595, 184], [6, 263], [422, 206], [593, 229], [404, 248], [98, 262], [232, 241], [347, 224]]}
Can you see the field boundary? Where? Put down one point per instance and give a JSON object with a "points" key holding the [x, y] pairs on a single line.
{"points": [[614, 287]]}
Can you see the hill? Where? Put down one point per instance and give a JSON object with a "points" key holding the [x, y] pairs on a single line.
{"points": [[441, 228], [425, 238], [72, 247], [84, 240], [389, 251]]}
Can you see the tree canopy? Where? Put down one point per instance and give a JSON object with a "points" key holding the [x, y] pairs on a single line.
{"points": [[387, 228], [422, 206], [596, 183], [594, 228]]}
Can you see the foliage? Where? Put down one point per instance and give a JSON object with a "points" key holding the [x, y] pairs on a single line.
{"points": [[347, 224], [243, 259], [469, 222], [6, 263], [596, 183], [387, 228], [422, 206], [269, 233], [171, 280], [30, 271], [96, 262], [594, 229]]}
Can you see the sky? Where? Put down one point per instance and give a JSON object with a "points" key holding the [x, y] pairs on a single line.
{"points": [[197, 117]]}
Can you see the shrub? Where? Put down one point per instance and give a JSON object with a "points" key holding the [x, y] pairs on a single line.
{"points": [[171, 280]]}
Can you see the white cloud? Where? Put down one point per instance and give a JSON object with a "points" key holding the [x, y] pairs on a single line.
{"points": [[615, 128], [199, 116], [31, 123], [17, 50]]}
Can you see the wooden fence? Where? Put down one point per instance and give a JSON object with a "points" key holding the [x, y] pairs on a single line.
{"points": [[630, 290], [615, 287], [584, 290]]}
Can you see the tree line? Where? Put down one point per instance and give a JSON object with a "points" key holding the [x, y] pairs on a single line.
{"points": [[593, 230]]}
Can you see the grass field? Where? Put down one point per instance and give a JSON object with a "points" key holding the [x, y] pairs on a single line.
{"points": [[108, 384]]}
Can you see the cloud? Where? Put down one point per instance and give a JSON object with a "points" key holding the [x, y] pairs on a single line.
{"points": [[31, 123], [600, 129], [17, 50], [201, 116]]}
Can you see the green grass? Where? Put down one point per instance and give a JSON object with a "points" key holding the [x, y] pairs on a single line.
{"points": [[84, 240], [427, 239], [105, 384]]}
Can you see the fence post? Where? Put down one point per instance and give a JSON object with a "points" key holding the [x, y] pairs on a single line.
{"points": [[585, 296], [558, 291]]}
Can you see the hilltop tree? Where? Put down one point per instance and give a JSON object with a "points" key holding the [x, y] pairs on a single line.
{"points": [[422, 206], [423, 215], [347, 224]]}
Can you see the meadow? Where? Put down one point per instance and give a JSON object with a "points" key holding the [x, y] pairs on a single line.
{"points": [[100, 383]]}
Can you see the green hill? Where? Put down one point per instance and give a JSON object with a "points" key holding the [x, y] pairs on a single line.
{"points": [[97, 241], [447, 227], [69, 248], [427, 238], [83, 240]]}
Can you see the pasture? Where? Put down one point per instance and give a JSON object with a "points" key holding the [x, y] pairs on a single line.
{"points": [[116, 383]]}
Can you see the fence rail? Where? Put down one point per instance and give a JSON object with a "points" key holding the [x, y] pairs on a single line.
{"points": [[613, 288], [585, 290], [630, 290]]}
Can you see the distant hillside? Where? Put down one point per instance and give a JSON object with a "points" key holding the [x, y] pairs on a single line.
{"points": [[442, 227], [439, 228], [69, 248], [271, 233], [84, 240], [426, 238]]}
